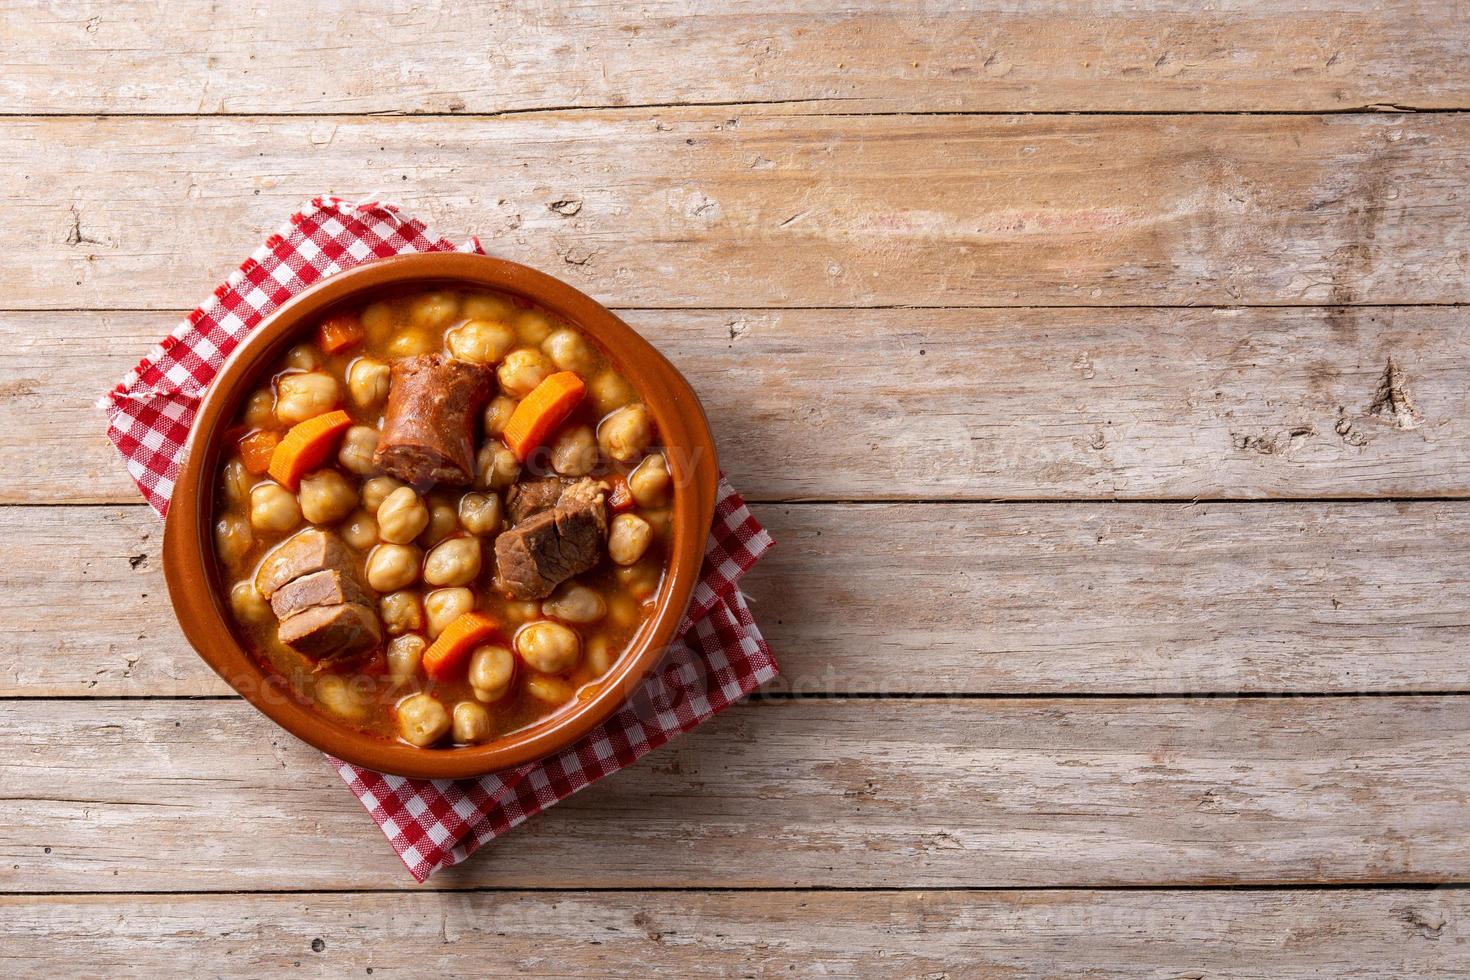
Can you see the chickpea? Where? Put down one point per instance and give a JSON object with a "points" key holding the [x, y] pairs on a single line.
{"points": [[487, 306], [610, 390], [662, 522], [393, 566], [402, 516], [550, 690], [337, 694], [367, 383], [480, 341], [640, 580], [575, 604], [471, 723], [548, 647], [401, 613], [326, 497], [570, 352], [522, 612], [574, 453], [303, 357], [235, 481], [626, 433], [411, 343], [305, 396], [533, 327], [248, 605], [422, 720], [377, 490], [377, 322], [491, 670], [628, 538], [443, 521], [600, 655], [260, 409], [479, 513], [356, 454], [433, 311], [453, 562], [405, 656], [622, 611], [444, 606], [650, 482], [497, 413], [522, 370], [361, 530], [273, 508], [497, 467]]}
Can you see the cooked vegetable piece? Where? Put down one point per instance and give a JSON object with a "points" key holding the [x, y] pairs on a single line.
{"points": [[620, 497], [540, 412], [448, 655], [339, 333], [307, 446], [256, 450]]}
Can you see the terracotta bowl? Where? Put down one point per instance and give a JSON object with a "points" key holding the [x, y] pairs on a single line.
{"points": [[200, 597]]}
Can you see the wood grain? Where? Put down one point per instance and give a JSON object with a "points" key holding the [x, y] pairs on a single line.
{"points": [[966, 404], [869, 56], [718, 208], [895, 599], [1266, 934], [168, 795]]}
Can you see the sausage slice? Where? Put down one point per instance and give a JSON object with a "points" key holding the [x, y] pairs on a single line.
{"points": [[429, 424]]}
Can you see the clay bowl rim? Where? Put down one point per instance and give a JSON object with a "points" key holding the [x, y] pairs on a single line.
{"points": [[188, 546]]}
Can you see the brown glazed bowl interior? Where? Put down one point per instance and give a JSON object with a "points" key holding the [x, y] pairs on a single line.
{"points": [[198, 594]]}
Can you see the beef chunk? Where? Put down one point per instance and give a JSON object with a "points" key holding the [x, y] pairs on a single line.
{"points": [[429, 423], [310, 551], [342, 630], [532, 497], [329, 587], [540, 553]]}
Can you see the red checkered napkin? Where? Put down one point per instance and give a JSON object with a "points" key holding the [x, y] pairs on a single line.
{"points": [[718, 658]]}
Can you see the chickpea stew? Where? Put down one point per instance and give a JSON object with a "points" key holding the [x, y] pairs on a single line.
{"points": [[446, 515]]}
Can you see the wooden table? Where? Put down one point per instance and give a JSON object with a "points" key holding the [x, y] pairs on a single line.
{"points": [[1102, 370]]}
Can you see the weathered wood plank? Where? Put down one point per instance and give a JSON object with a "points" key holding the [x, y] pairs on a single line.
{"points": [[1265, 934], [720, 208], [967, 404], [891, 599], [870, 56], [206, 795]]}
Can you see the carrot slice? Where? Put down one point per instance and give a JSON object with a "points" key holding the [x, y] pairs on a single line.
{"points": [[256, 450], [620, 498], [446, 657], [540, 412], [307, 446], [337, 333]]}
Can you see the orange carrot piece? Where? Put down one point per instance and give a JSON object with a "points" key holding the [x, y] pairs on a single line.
{"points": [[306, 446], [446, 657], [338, 333], [620, 497], [256, 450], [540, 412]]}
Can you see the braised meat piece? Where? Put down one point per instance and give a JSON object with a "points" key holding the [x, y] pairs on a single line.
{"points": [[313, 550], [329, 587], [546, 549], [343, 630], [312, 585], [527, 499], [429, 425]]}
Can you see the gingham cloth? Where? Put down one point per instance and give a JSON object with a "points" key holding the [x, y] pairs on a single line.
{"points": [[718, 658]]}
